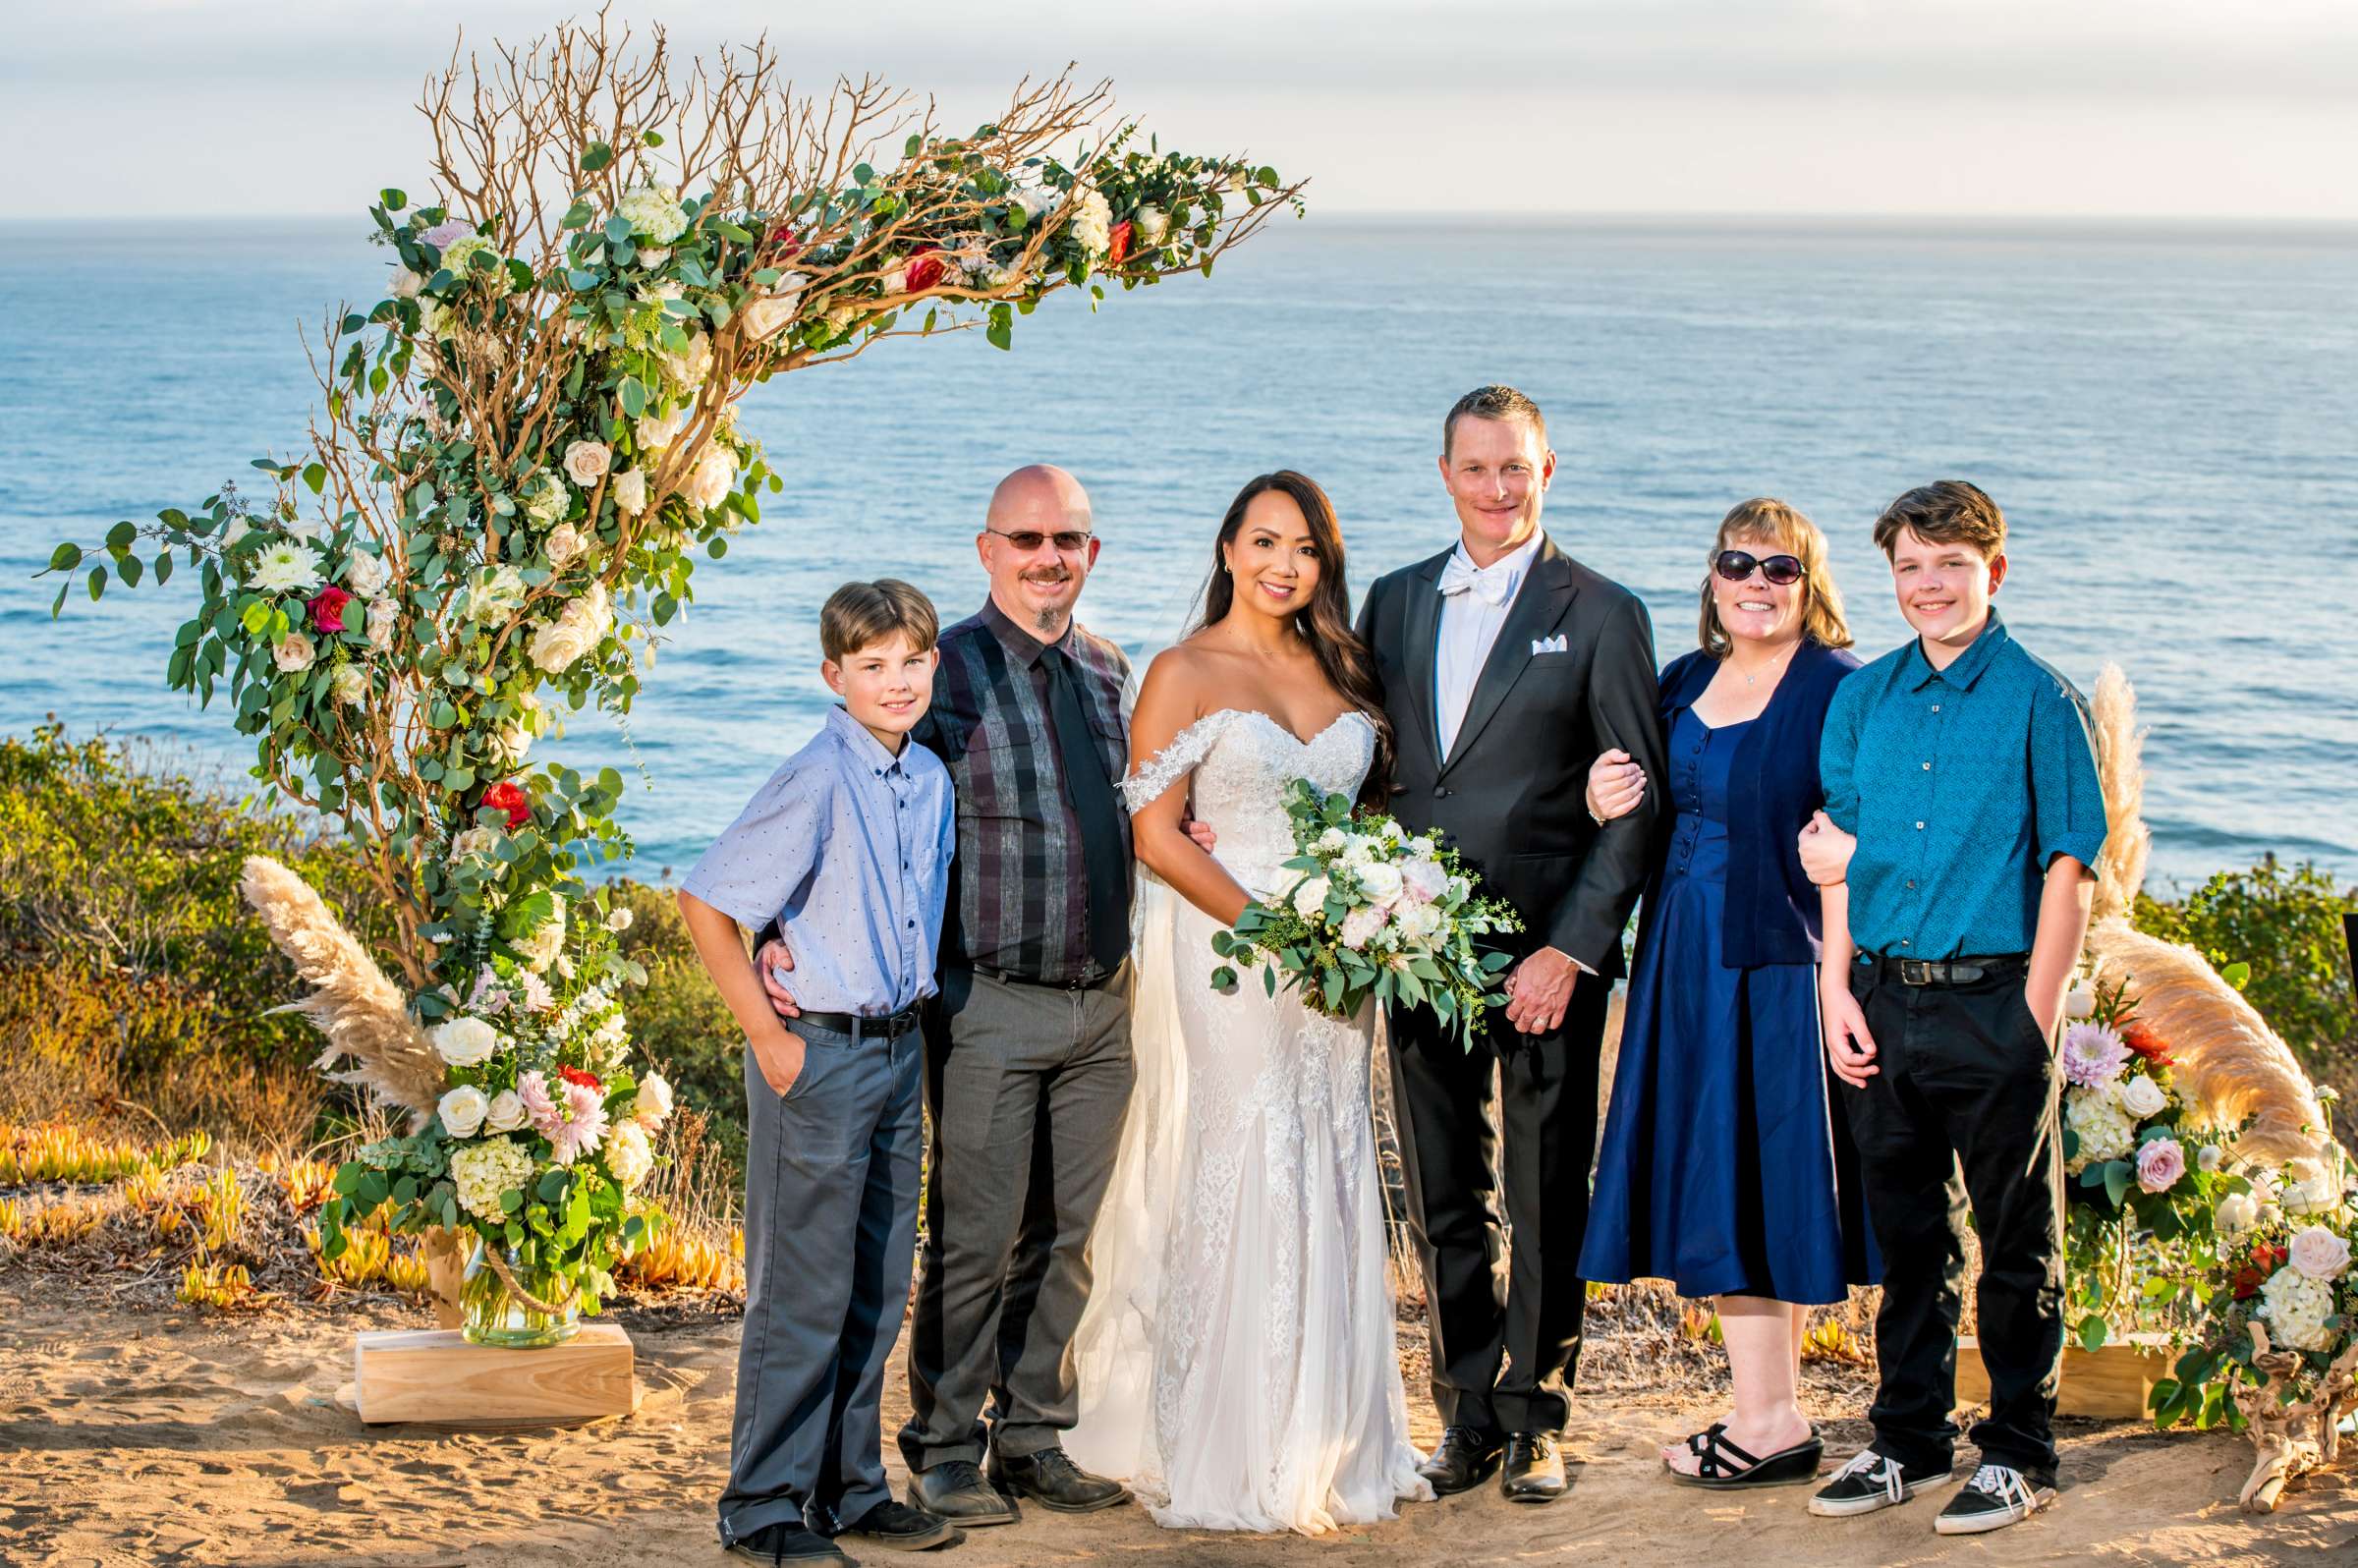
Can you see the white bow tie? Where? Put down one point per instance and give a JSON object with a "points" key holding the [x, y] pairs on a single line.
{"points": [[1488, 584]]}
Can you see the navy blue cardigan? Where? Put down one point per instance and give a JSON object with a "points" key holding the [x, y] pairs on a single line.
{"points": [[1771, 905]]}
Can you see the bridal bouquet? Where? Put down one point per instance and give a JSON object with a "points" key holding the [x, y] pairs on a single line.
{"points": [[1376, 912]]}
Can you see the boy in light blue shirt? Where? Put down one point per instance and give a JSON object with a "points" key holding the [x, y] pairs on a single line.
{"points": [[848, 847]]}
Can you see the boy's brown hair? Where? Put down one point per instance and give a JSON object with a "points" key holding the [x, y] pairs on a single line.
{"points": [[1944, 512], [858, 614]]}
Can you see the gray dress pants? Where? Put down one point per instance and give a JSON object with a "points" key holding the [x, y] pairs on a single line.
{"points": [[1028, 1085], [831, 1174]]}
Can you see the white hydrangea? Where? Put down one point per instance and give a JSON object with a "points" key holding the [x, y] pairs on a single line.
{"points": [[348, 686], [1091, 224], [458, 259], [483, 1172], [2296, 1308], [1332, 841], [497, 592], [630, 1158], [2105, 1133], [655, 213], [546, 499], [577, 629], [284, 566], [465, 1042]]}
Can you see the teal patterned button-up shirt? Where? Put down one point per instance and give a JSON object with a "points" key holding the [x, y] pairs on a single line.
{"points": [[1962, 786]]}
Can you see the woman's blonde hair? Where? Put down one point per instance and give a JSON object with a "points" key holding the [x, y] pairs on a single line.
{"points": [[1769, 522]]}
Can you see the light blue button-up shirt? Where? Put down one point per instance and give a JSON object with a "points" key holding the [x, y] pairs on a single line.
{"points": [[849, 848], [1962, 785]]}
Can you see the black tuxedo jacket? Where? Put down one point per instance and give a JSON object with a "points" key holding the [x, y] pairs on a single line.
{"points": [[1511, 793]]}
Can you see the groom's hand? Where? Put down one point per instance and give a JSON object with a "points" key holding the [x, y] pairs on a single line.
{"points": [[1202, 833], [1538, 990], [773, 963]]}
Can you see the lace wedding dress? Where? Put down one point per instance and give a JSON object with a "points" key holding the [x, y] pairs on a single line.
{"points": [[1236, 1361]]}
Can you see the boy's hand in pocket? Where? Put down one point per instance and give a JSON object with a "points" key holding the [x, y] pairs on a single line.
{"points": [[780, 1059]]}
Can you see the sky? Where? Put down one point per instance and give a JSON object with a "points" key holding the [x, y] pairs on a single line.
{"points": [[2161, 109]]}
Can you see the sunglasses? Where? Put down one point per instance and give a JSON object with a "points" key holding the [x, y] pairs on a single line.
{"points": [[1737, 565], [1068, 541]]}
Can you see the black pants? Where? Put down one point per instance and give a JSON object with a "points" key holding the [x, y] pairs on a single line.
{"points": [[1505, 1319], [1963, 1109]]}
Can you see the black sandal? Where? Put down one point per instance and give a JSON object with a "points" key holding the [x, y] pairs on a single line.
{"points": [[1788, 1467]]}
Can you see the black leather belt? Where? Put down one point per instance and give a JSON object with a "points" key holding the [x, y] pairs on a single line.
{"points": [[859, 1026], [1010, 978], [1944, 971]]}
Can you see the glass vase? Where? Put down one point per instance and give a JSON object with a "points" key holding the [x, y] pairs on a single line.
{"points": [[491, 1314]]}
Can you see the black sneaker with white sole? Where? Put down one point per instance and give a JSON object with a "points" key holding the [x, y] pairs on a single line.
{"points": [[1869, 1482], [1997, 1496]]}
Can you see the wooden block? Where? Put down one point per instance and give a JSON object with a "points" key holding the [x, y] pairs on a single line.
{"points": [[2108, 1384], [433, 1375]]}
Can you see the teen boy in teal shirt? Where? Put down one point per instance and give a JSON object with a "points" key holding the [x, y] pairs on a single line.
{"points": [[1963, 766]]}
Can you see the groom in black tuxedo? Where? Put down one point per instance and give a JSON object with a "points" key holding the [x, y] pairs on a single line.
{"points": [[1507, 666]]}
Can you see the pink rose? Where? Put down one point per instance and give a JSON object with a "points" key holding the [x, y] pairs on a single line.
{"points": [[1360, 925], [2318, 1253], [2160, 1165], [449, 229], [1422, 881]]}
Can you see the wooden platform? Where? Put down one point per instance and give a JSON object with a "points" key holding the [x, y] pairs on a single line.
{"points": [[2110, 1383], [433, 1375]]}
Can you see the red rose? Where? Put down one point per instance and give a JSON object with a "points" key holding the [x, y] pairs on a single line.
{"points": [[924, 271], [789, 243], [2248, 1281], [507, 796], [582, 1076], [1117, 244], [327, 608]]}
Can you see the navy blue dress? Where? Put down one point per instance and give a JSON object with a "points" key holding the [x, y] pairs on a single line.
{"points": [[1717, 1170]]}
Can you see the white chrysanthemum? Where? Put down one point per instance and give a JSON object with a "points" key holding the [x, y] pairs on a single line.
{"points": [[497, 592], [620, 919], [2296, 1308], [2141, 1096], [484, 1172], [577, 629], [1419, 924], [630, 492], [349, 684], [2105, 1133], [294, 654], [652, 1108], [366, 573], [465, 1042], [463, 1110], [546, 499], [629, 1156], [284, 566], [655, 213]]}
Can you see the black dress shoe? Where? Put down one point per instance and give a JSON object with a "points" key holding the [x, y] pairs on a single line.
{"points": [[1533, 1472], [897, 1526], [1051, 1478], [793, 1542], [1464, 1460], [955, 1491]]}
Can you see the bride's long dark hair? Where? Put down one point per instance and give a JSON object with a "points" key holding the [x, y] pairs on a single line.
{"points": [[1324, 623]]}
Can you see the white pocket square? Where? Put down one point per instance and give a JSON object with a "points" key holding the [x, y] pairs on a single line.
{"points": [[1550, 645]]}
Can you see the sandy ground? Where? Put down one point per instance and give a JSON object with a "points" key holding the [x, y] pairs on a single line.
{"points": [[148, 1437]]}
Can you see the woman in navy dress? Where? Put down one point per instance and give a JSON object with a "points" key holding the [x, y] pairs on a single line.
{"points": [[1721, 1168]]}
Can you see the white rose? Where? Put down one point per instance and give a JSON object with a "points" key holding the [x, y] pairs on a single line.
{"points": [[1381, 882], [382, 614], [2081, 1002], [294, 654], [506, 1112], [465, 1042], [366, 573], [565, 546], [587, 462], [1035, 200], [655, 431], [2210, 1157], [630, 492], [1310, 899], [473, 841], [404, 284], [2140, 1098], [513, 742], [348, 685], [766, 318], [1360, 927], [2319, 1252], [655, 258], [463, 1110], [2236, 1213], [715, 476], [654, 1106], [1153, 223]]}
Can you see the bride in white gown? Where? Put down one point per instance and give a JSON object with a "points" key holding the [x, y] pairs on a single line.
{"points": [[1236, 1362]]}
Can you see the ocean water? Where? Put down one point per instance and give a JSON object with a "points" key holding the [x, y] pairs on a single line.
{"points": [[2169, 419]]}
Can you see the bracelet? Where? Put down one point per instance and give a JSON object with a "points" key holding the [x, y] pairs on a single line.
{"points": [[1592, 817]]}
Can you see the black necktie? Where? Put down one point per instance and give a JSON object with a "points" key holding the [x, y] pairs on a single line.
{"points": [[1091, 795]]}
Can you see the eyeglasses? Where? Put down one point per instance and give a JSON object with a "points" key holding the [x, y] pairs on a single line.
{"points": [[1737, 565], [1068, 541]]}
